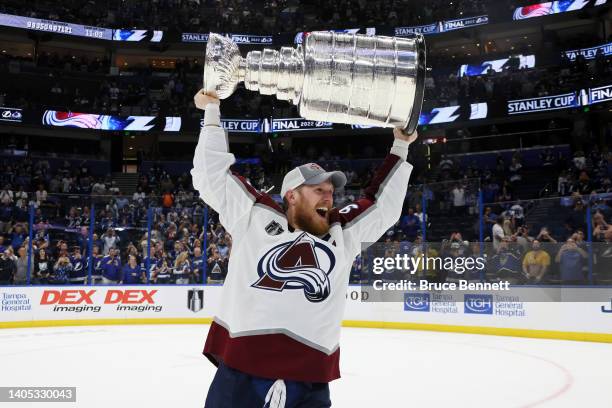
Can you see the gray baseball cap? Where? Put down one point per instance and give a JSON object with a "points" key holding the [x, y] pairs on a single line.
{"points": [[311, 173]]}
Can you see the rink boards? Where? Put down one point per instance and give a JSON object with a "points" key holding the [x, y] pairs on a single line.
{"points": [[480, 313]]}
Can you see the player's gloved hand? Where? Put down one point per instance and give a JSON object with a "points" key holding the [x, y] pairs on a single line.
{"points": [[400, 134], [203, 98]]}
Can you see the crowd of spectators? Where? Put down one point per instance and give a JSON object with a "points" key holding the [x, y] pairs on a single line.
{"points": [[180, 248], [183, 250]]}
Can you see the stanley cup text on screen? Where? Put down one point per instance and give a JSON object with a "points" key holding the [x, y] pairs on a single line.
{"points": [[335, 77]]}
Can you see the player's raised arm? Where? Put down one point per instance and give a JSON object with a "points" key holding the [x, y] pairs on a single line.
{"points": [[367, 218], [226, 192]]}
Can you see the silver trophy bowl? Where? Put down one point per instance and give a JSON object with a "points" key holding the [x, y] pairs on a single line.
{"points": [[336, 77]]}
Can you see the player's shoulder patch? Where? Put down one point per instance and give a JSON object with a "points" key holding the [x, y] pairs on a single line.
{"points": [[274, 228]]}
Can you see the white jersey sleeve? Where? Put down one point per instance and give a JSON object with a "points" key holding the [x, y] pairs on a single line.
{"points": [[226, 192], [368, 218]]}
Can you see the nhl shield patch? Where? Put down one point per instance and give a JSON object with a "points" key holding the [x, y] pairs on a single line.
{"points": [[195, 300], [274, 228]]}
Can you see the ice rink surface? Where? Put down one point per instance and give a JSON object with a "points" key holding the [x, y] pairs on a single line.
{"points": [[162, 366]]}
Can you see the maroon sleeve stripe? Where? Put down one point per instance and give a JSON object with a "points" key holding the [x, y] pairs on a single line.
{"points": [[259, 197], [371, 193], [269, 202], [249, 188]]}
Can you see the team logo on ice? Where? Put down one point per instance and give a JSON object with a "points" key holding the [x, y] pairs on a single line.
{"points": [[302, 264], [195, 300]]}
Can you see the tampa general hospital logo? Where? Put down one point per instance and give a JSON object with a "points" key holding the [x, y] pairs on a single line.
{"points": [[302, 264]]}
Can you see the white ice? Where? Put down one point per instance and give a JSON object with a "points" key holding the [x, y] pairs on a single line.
{"points": [[162, 366]]}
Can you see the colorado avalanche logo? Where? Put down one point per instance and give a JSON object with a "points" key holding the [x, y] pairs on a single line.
{"points": [[297, 265]]}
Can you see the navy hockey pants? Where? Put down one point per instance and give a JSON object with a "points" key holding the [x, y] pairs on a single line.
{"points": [[234, 389]]}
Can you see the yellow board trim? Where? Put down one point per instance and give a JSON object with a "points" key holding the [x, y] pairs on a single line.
{"points": [[103, 322], [496, 331]]}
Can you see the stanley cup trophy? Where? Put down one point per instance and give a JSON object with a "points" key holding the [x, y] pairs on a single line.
{"points": [[336, 77]]}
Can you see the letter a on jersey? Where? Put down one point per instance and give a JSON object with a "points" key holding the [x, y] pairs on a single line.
{"points": [[297, 265]]}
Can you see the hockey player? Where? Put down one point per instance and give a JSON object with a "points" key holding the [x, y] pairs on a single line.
{"points": [[275, 337]]}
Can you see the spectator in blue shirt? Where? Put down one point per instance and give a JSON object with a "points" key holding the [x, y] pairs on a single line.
{"points": [[78, 275], [18, 236], [182, 269], [410, 224], [61, 271], [163, 274], [132, 273], [571, 260], [197, 264], [154, 263], [111, 268], [96, 267]]}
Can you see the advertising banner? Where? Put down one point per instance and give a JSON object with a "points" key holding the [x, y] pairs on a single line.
{"points": [[424, 29], [108, 122], [599, 95], [182, 303], [236, 37], [543, 104], [461, 23], [521, 61], [240, 125], [590, 53], [138, 35], [452, 113], [56, 27], [10, 114], [294, 125], [554, 7]]}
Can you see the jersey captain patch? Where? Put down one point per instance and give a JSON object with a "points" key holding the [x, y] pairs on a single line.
{"points": [[303, 264]]}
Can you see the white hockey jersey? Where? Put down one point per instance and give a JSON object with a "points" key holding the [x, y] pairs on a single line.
{"points": [[285, 291]]}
